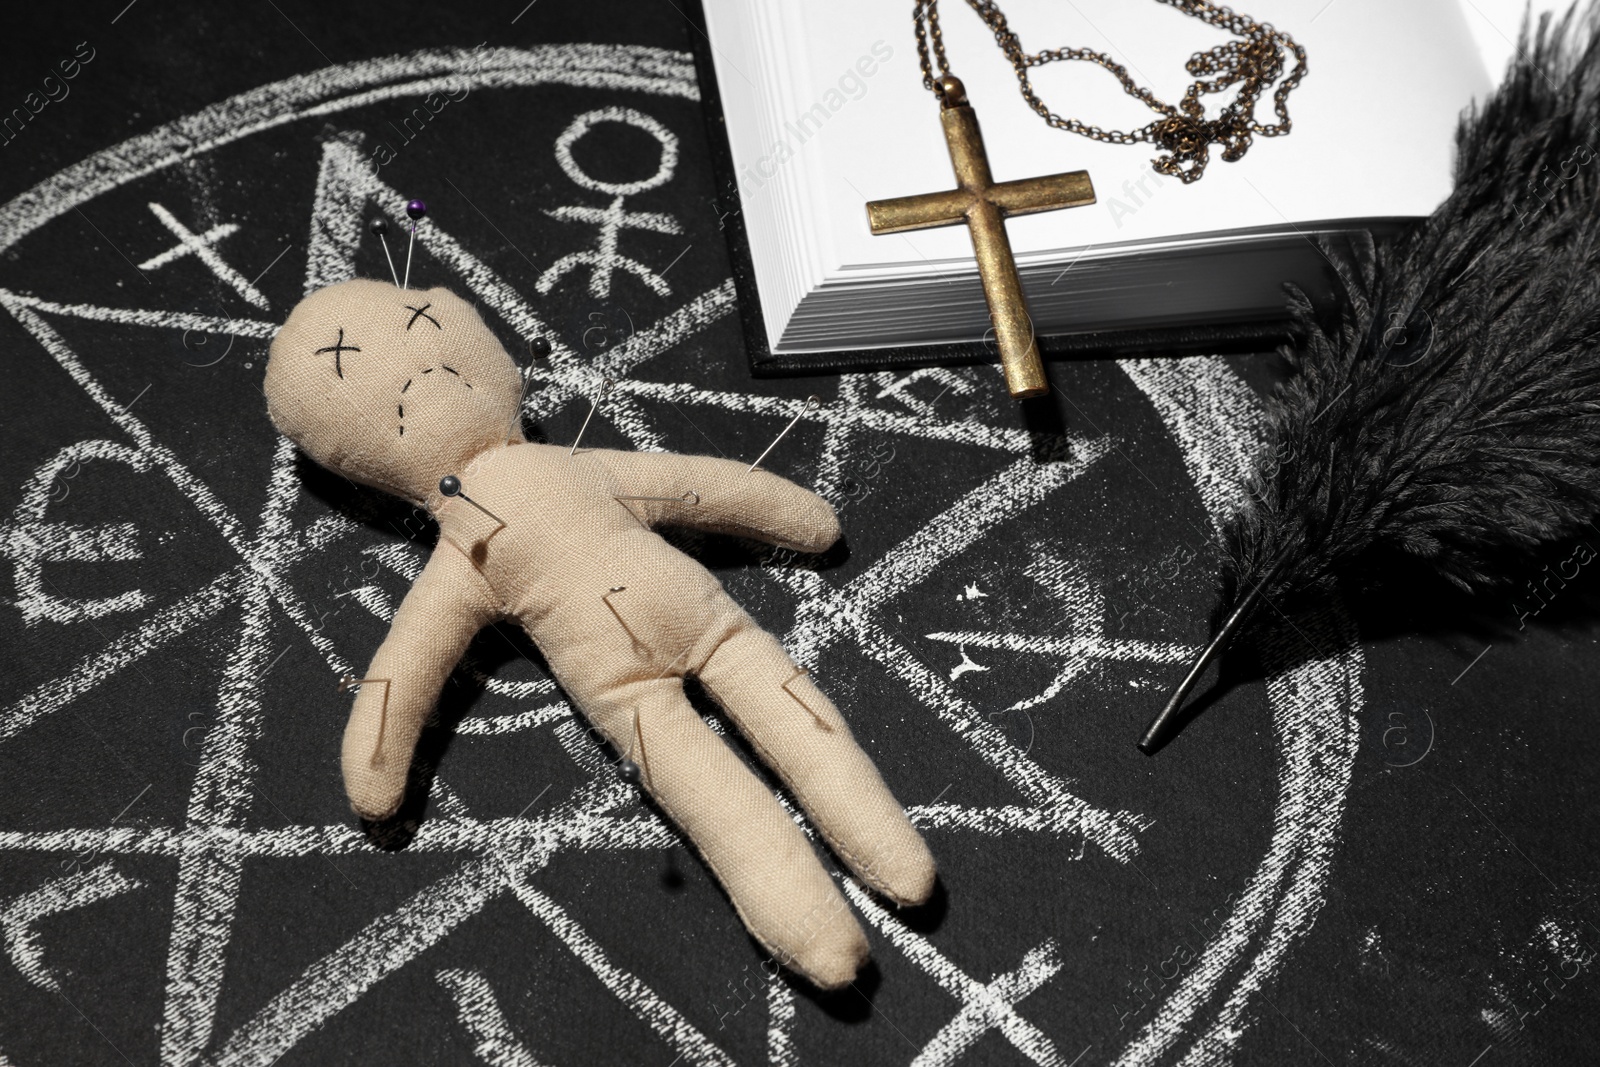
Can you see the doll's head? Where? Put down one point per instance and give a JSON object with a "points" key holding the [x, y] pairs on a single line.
{"points": [[394, 388]]}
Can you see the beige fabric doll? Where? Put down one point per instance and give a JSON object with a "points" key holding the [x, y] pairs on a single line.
{"points": [[402, 389]]}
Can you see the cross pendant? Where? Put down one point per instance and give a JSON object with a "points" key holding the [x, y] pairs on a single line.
{"points": [[983, 204]]}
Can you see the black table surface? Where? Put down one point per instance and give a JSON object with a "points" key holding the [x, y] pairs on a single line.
{"points": [[1375, 846]]}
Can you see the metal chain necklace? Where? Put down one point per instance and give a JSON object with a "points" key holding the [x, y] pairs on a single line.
{"points": [[1254, 62]]}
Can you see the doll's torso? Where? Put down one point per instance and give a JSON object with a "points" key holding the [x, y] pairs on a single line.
{"points": [[603, 596]]}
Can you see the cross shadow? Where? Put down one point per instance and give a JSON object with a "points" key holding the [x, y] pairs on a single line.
{"points": [[1046, 425]]}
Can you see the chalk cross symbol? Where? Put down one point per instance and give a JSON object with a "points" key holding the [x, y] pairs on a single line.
{"points": [[985, 1006], [984, 204], [992, 1006], [202, 247]]}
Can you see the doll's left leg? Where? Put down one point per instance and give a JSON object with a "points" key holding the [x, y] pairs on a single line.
{"points": [[802, 737]]}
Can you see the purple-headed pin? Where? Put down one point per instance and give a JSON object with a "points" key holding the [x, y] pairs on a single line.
{"points": [[415, 209]]}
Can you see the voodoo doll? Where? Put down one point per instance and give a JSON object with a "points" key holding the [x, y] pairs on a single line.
{"points": [[408, 391]]}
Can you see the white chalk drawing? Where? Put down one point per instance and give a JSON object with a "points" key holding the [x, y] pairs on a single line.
{"points": [[30, 541], [1083, 608], [984, 1007], [604, 259], [203, 247], [966, 665], [1215, 421], [1208, 410], [898, 386], [76, 890], [494, 1042]]}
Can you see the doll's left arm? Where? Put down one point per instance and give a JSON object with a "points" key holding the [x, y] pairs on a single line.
{"points": [[722, 496]]}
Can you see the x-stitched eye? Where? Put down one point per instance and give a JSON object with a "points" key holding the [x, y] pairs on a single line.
{"points": [[423, 312], [338, 348]]}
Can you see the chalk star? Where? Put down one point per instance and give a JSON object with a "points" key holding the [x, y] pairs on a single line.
{"points": [[202, 246], [219, 836]]}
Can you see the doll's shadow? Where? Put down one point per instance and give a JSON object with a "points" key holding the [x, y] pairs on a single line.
{"points": [[534, 432], [373, 508], [853, 1003], [494, 647], [395, 833]]}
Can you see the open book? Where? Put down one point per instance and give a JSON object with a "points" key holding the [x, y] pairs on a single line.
{"points": [[825, 110]]}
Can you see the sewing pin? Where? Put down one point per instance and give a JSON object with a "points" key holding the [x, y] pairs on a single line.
{"points": [[379, 227], [638, 646], [690, 498], [605, 387], [348, 682], [415, 209], [628, 770], [812, 403], [450, 485], [800, 672]]}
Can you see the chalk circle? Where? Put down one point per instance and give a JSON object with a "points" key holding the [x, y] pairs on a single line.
{"points": [[1311, 701], [587, 121]]}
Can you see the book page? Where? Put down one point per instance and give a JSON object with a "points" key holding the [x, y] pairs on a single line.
{"points": [[1496, 25], [1374, 121]]}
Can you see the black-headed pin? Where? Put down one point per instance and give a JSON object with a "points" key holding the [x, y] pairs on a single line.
{"points": [[450, 485]]}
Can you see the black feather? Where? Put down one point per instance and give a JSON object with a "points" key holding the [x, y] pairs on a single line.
{"points": [[1449, 410]]}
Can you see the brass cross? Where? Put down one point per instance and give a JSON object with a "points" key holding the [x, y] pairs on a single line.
{"points": [[983, 204]]}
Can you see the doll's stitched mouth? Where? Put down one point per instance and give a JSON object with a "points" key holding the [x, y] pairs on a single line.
{"points": [[400, 407]]}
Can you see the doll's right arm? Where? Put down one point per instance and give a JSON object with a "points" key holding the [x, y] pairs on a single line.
{"points": [[447, 606]]}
